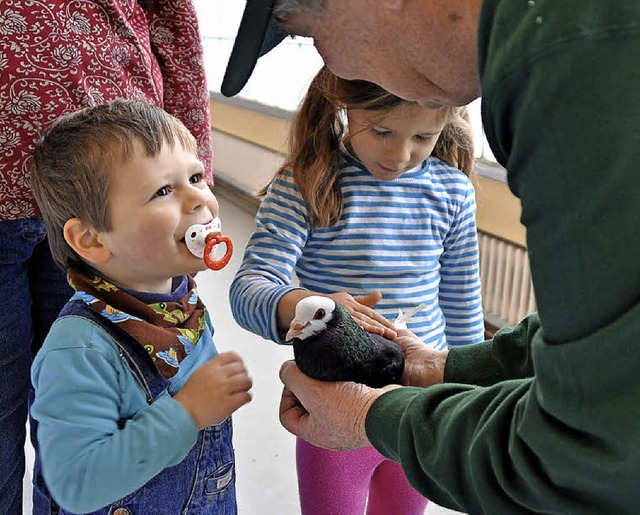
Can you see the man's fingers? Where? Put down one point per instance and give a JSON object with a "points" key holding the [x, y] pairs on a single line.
{"points": [[294, 380], [292, 412], [287, 370], [289, 402], [293, 415]]}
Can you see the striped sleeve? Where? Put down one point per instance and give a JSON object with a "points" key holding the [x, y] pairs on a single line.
{"points": [[269, 259], [459, 294]]}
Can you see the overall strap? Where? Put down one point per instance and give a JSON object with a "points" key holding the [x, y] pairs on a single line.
{"points": [[136, 357]]}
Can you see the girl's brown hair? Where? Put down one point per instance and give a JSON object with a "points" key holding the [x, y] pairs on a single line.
{"points": [[74, 158], [317, 129]]}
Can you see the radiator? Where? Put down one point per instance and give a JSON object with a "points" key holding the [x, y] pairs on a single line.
{"points": [[507, 291]]}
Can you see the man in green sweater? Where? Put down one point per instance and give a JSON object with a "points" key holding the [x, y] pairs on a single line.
{"points": [[544, 418]]}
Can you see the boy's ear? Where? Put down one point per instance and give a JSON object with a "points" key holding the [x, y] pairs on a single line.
{"points": [[86, 241]]}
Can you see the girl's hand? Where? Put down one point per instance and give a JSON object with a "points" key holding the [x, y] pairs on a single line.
{"points": [[360, 308]]}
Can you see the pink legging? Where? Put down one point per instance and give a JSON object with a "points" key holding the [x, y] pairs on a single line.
{"points": [[337, 483]]}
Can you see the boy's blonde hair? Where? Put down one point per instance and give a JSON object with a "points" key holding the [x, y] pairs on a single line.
{"points": [[317, 129], [74, 158]]}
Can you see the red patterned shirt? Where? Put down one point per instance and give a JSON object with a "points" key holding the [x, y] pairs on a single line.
{"points": [[60, 55]]}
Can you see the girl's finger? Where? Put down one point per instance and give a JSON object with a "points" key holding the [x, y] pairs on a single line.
{"points": [[377, 317], [375, 328]]}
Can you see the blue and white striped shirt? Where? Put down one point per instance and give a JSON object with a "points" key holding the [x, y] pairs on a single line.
{"points": [[413, 239]]}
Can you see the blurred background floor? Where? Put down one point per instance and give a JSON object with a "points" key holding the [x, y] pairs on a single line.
{"points": [[265, 457]]}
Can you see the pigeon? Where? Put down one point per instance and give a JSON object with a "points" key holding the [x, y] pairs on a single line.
{"points": [[329, 345]]}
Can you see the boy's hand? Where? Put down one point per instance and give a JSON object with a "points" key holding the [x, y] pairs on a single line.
{"points": [[216, 389], [360, 309]]}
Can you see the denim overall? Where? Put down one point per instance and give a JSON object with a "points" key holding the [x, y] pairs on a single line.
{"points": [[202, 483]]}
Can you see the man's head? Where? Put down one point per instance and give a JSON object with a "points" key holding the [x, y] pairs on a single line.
{"points": [[76, 158], [422, 51]]}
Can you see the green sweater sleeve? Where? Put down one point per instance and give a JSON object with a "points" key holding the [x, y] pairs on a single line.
{"points": [[506, 356], [560, 108], [565, 441]]}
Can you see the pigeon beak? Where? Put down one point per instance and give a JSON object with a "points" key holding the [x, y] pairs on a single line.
{"points": [[295, 329]]}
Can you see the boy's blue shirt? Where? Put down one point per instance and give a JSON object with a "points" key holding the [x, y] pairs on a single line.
{"points": [[99, 438]]}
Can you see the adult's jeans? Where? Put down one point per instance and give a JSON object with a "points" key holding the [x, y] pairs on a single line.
{"points": [[33, 290]]}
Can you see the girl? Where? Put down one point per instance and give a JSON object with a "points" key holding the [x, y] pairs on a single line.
{"points": [[372, 212]]}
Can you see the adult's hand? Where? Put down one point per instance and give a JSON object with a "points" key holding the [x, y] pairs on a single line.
{"points": [[423, 366], [326, 414]]}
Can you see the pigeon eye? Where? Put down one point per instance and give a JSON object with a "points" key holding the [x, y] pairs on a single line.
{"points": [[319, 315]]}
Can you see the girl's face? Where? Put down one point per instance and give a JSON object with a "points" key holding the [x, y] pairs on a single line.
{"points": [[392, 142], [153, 200]]}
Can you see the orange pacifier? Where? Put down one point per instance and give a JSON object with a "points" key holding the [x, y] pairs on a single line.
{"points": [[202, 241]]}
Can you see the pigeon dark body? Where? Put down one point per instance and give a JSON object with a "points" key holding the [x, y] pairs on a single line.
{"points": [[338, 349]]}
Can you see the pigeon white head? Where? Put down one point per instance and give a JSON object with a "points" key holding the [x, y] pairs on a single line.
{"points": [[311, 317]]}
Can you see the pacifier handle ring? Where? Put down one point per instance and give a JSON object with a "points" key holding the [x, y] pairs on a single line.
{"points": [[212, 240]]}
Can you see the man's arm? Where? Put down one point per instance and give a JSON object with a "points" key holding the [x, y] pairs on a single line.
{"points": [[506, 356]]}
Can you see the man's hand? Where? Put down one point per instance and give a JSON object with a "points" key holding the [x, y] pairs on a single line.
{"points": [[423, 365], [326, 414]]}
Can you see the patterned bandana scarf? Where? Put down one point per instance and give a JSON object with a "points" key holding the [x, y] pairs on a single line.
{"points": [[167, 330]]}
